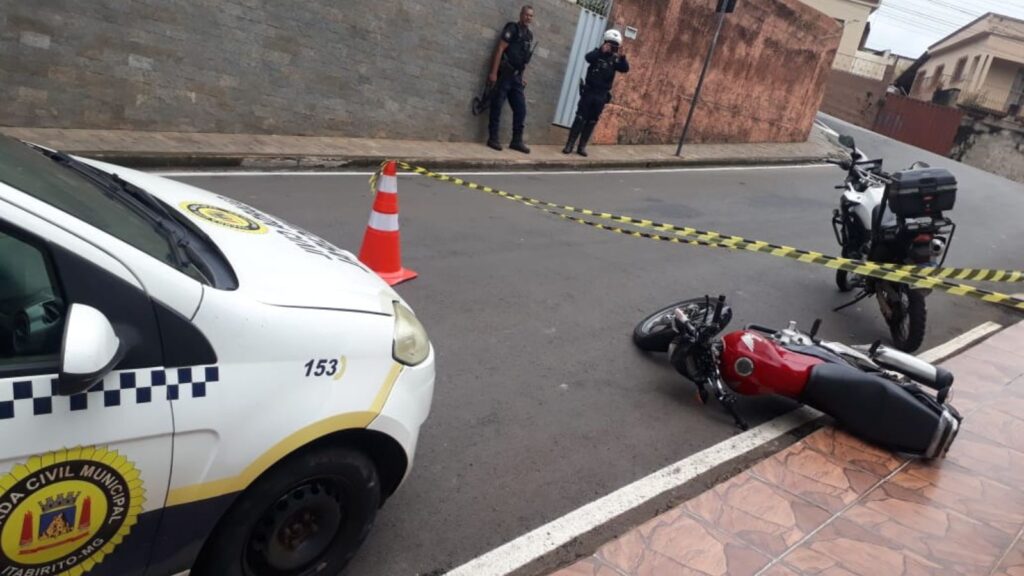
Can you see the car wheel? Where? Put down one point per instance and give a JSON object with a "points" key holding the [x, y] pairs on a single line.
{"points": [[307, 515]]}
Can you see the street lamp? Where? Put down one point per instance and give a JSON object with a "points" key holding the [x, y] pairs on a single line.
{"points": [[724, 7]]}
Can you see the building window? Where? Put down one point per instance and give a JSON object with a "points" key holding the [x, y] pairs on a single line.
{"points": [[937, 78], [919, 82], [958, 72]]}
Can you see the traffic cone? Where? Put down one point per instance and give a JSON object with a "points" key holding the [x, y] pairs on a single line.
{"points": [[382, 244]]}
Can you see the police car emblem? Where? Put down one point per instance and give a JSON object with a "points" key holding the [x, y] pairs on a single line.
{"points": [[63, 512], [223, 217]]}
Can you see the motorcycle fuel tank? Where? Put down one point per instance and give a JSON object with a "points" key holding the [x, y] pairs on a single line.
{"points": [[752, 364]]}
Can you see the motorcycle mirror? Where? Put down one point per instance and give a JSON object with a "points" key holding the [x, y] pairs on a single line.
{"points": [[847, 140]]}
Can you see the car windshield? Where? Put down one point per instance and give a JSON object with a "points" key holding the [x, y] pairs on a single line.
{"points": [[26, 169]]}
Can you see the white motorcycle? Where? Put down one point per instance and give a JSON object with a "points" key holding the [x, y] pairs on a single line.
{"points": [[896, 219]]}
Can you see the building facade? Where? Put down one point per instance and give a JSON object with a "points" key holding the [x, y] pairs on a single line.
{"points": [[853, 15], [979, 66]]}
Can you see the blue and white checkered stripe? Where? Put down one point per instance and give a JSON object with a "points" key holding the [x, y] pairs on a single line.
{"points": [[37, 396]]}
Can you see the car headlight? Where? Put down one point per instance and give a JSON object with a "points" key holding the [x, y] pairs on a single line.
{"points": [[411, 345]]}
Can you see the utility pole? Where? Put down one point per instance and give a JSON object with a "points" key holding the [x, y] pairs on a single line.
{"points": [[724, 7]]}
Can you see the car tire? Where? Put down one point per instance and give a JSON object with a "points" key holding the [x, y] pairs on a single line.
{"points": [[307, 515]]}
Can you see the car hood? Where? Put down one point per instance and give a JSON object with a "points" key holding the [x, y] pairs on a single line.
{"points": [[276, 262]]}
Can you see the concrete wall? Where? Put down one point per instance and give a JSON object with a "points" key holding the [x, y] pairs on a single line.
{"points": [[854, 98], [361, 68], [996, 147], [765, 83], [864, 64]]}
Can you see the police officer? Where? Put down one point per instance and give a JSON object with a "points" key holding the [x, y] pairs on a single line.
{"points": [[596, 91], [507, 66]]}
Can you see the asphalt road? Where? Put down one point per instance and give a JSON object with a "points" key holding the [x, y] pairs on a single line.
{"points": [[542, 403]]}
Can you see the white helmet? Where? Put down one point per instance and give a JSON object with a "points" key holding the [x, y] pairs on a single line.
{"points": [[613, 36]]}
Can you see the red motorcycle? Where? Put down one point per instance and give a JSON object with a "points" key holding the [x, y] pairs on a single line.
{"points": [[874, 392]]}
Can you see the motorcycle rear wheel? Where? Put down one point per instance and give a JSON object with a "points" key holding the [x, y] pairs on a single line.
{"points": [[654, 333], [907, 325]]}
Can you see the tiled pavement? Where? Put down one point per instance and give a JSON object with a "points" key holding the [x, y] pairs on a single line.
{"points": [[833, 505]]}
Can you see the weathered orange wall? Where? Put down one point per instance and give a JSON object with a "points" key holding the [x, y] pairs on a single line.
{"points": [[765, 83]]}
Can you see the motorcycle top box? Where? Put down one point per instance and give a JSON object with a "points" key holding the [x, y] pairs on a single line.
{"points": [[922, 192]]}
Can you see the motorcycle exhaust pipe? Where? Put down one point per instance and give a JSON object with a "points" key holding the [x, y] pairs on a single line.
{"points": [[934, 377]]}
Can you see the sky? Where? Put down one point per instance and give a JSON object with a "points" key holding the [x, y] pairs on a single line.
{"points": [[909, 27]]}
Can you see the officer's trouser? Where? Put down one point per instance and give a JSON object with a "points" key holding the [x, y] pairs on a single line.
{"points": [[588, 111], [510, 87]]}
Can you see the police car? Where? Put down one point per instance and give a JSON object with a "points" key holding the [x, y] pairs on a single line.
{"points": [[186, 381]]}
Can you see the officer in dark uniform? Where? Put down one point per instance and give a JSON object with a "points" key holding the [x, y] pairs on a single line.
{"points": [[596, 91], [510, 59]]}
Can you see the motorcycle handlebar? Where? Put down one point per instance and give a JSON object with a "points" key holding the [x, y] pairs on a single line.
{"points": [[718, 310]]}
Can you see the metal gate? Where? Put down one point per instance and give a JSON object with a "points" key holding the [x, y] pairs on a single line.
{"points": [[589, 30], [922, 124]]}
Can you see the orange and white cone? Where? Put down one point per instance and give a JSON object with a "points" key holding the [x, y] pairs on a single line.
{"points": [[382, 244]]}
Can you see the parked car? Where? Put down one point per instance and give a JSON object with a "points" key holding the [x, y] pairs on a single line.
{"points": [[186, 381]]}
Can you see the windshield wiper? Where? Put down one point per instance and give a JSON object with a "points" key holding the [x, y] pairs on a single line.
{"points": [[183, 253]]}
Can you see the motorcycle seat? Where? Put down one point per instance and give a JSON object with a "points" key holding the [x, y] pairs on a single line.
{"points": [[875, 408]]}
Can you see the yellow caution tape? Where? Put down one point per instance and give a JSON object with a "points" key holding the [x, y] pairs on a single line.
{"points": [[687, 235]]}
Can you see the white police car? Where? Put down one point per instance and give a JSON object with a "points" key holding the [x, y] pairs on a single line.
{"points": [[188, 382]]}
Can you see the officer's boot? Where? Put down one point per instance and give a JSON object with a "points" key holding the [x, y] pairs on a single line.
{"points": [[588, 129], [574, 133], [492, 141], [517, 143]]}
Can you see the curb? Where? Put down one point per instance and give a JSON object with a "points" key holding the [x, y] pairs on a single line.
{"points": [[343, 163]]}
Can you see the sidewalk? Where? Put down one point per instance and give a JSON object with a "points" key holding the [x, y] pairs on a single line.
{"points": [[267, 152], [832, 505]]}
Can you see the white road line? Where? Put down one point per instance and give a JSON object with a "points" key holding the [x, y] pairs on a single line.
{"points": [[541, 541], [960, 342], [222, 173]]}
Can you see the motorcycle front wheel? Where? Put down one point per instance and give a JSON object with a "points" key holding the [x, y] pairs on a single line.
{"points": [[654, 333], [843, 281], [907, 323]]}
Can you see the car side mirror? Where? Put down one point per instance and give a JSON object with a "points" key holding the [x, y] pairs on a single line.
{"points": [[847, 140], [89, 352]]}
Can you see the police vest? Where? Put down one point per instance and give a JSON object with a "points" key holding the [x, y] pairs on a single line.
{"points": [[520, 46]]}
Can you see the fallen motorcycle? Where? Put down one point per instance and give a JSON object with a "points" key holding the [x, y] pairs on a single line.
{"points": [[872, 391]]}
